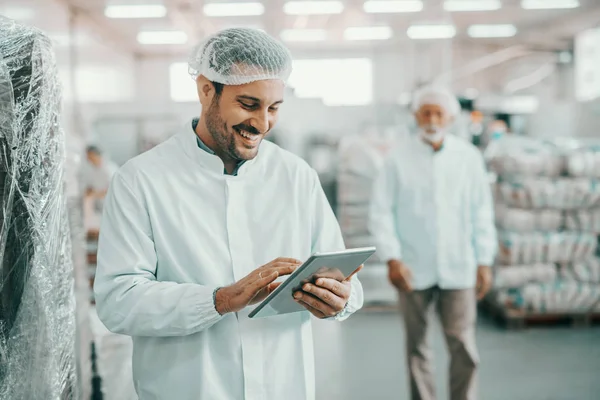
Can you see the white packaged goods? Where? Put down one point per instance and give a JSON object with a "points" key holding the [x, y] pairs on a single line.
{"points": [[586, 271], [583, 220], [361, 159], [537, 247], [555, 297], [522, 220], [524, 156], [584, 163], [542, 193], [515, 276]]}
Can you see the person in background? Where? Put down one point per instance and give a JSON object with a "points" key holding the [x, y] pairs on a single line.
{"points": [[98, 173], [196, 231], [433, 222]]}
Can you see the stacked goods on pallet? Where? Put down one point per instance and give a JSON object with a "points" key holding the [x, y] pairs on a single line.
{"points": [[548, 214], [360, 161]]}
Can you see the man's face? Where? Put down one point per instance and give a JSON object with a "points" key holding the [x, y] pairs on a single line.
{"points": [[94, 158], [241, 116], [432, 118]]}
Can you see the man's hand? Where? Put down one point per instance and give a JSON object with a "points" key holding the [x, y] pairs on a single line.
{"points": [[484, 281], [255, 287], [327, 297], [399, 275]]}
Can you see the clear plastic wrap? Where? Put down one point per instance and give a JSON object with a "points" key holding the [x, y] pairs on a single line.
{"points": [[37, 306]]}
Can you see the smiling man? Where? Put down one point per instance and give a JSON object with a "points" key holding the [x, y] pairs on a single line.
{"points": [[197, 230]]}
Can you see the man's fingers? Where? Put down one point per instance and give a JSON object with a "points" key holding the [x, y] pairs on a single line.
{"points": [[284, 260], [334, 286], [315, 303], [283, 268], [327, 296], [272, 286], [312, 310]]}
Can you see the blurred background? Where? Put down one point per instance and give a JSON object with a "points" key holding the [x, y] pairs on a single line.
{"points": [[527, 74]]}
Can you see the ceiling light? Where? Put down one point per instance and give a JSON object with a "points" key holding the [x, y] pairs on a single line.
{"points": [[313, 7], [303, 35], [549, 4], [392, 6], [492, 31], [472, 5], [431, 31], [162, 37], [233, 9], [368, 33], [136, 11]]}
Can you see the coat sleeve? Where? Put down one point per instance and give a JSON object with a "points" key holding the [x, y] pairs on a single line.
{"points": [[485, 239], [129, 299], [382, 214], [327, 236]]}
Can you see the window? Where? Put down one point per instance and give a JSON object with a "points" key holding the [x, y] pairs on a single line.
{"points": [[338, 82], [182, 85]]}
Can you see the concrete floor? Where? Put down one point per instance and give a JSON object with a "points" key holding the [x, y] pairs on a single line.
{"points": [[363, 359]]}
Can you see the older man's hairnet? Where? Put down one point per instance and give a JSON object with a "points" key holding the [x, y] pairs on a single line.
{"points": [[439, 96], [240, 55]]}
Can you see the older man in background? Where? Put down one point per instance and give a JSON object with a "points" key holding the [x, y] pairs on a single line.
{"points": [[432, 217]]}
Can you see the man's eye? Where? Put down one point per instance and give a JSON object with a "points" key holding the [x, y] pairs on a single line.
{"points": [[248, 106]]}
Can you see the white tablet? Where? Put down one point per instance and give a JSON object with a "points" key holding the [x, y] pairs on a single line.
{"points": [[338, 265]]}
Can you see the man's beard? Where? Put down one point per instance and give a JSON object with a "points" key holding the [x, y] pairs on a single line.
{"points": [[224, 140], [217, 128]]}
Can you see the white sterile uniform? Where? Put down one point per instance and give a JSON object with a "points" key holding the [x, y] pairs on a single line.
{"points": [[174, 229]]}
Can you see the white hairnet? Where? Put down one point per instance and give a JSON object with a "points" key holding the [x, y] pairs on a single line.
{"points": [[238, 56], [439, 96]]}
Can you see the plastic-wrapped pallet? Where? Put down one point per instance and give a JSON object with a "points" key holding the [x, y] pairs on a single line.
{"points": [[549, 193], [538, 247], [547, 205], [584, 162], [521, 220], [555, 297], [583, 220], [522, 156], [587, 271], [361, 159], [515, 276]]}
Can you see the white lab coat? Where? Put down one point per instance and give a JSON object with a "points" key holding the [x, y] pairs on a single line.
{"points": [[175, 228], [434, 211]]}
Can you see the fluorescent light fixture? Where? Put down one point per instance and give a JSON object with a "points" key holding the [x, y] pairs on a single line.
{"points": [[313, 7], [392, 6], [549, 4], [303, 35], [162, 37], [136, 11], [233, 9], [431, 31], [368, 33], [492, 31], [472, 5]]}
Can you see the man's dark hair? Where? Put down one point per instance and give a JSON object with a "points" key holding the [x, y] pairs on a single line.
{"points": [[94, 149], [218, 88]]}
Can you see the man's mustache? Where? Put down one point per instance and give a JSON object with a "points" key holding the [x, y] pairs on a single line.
{"points": [[247, 128]]}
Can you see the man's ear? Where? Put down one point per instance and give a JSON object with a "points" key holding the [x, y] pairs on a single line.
{"points": [[206, 90]]}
